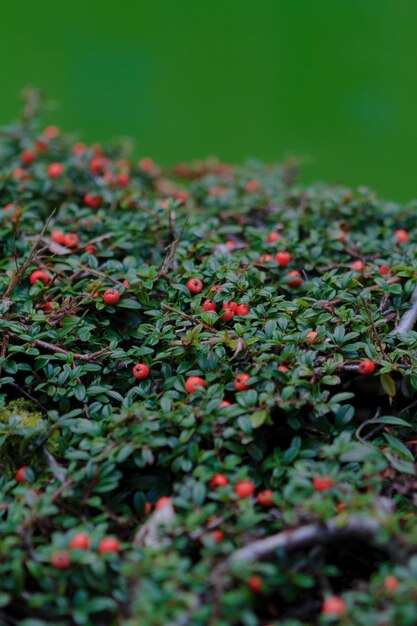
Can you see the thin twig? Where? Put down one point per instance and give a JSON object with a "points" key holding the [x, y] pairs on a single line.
{"points": [[172, 250], [22, 269], [409, 318], [91, 356], [189, 318]]}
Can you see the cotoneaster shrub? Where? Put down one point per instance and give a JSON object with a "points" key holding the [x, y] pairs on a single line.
{"points": [[192, 362]]}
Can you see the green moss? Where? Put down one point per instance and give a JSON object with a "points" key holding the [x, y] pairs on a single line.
{"points": [[23, 428]]}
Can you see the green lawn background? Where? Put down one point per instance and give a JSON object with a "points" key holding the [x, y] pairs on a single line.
{"points": [[334, 82]]}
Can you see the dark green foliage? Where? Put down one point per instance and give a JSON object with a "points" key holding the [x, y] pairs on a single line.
{"points": [[104, 446]]}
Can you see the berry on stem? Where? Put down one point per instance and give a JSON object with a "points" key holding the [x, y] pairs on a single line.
{"points": [[55, 170], [61, 559], [265, 498], [333, 606], [140, 371], [80, 541], [194, 383], [219, 480], [240, 382], [195, 285], [39, 275], [244, 489], [295, 279], [401, 235], [111, 296], [109, 544], [366, 367], [21, 474], [283, 258]]}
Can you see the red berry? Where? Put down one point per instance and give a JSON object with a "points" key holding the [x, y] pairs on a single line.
{"points": [[243, 309], [255, 584], [240, 382], [122, 179], [295, 279], [273, 237], [140, 371], [244, 489], [283, 368], [217, 535], [162, 502], [98, 165], [283, 258], [91, 249], [111, 296], [252, 186], [230, 243], [41, 145], [230, 306], [71, 240], [146, 164], [224, 404], [80, 541], [217, 288], [333, 606], [39, 275], [108, 544], [358, 266], [57, 236], [60, 559], [126, 284], [51, 132], [391, 583], [21, 474], [48, 306], [322, 484], [265, 258], [20, 174], [311, 336], [55, 170], [384, 269], [366, 367], [227, 315], [92, 201], [194, 383], [27, 157], [401, 235], [219, 480], [181, 196], [265, 498], [194, 285], [78, 148], [209, 305]]}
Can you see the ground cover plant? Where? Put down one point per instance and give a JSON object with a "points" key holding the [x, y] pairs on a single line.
{"points": [[208, 389]]}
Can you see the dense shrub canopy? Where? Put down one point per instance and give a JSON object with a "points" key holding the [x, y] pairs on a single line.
{"points": [[312, 455]]}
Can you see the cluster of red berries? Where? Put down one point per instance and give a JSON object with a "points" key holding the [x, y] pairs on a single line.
{"points": [[244, 489], [70, 240], [197, 383], [61, 559], [230, 309]]}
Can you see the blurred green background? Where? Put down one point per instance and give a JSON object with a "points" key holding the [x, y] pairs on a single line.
{"points": [[331, 81]]}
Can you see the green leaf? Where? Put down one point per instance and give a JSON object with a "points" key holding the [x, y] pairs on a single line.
{"points": [[388, 385]]}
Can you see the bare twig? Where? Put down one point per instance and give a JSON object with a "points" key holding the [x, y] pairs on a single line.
{"points": [[355, 526], [148, 533], [301, 538], [91, 356], [32, 255], [189, 318], [56, 469], [409, 318], [172, 249]]}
